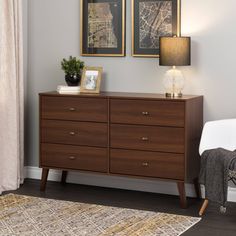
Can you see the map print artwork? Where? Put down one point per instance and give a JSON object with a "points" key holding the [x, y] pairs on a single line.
{"points": [[155, 20], [101, 21]]}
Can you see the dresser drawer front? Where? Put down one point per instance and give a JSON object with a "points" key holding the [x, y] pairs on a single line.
{"points": [[74, 157], [163, 139], [165, 113], [68, 108], [149, 164], [74, 133]]}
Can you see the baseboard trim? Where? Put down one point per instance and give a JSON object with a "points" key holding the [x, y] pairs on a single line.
{"points": [[154, 186]]}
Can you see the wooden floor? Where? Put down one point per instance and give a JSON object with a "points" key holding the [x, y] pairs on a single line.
{"points": [[212, 224]]}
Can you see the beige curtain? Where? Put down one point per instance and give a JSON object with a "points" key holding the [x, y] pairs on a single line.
{"points": [[11, 95]]}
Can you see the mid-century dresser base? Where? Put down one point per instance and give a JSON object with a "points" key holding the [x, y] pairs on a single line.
{"points": [[124, 134]]}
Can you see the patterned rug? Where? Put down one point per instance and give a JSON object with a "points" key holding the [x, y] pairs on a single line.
{"points": [[31, 216]]}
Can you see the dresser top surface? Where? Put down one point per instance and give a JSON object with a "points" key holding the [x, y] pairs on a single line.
{"points": [[127, 95]]}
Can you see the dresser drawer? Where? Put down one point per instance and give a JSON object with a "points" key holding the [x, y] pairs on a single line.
{"points": [[166, 113], [68, 108], [164, 139], [74, 133], [74, 157], [150, 164]]}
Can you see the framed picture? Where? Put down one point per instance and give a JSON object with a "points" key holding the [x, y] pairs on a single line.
{"points": [[91, 80], [150, 20], [102, 28]]}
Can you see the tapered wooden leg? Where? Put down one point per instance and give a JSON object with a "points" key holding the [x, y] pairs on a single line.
{"points": [[44, 179], [203, 208], [63, 177], [197, 188], [182, 194]]}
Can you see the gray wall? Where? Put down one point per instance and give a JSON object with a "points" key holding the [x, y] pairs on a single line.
{"points": [[53, 33]]}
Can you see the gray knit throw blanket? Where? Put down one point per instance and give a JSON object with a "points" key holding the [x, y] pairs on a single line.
{"points": [[215, 166]]}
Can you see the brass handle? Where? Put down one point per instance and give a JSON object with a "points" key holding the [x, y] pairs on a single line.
{"points": [[72, 158], [145, 139], [145, 113], [72, 109], [72, 133], [145, 164]]}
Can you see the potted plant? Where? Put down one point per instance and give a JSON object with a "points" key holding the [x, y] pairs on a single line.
{"points": [[73, 70]]}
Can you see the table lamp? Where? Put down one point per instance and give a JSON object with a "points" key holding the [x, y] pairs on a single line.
{"points": [[174, 51]]}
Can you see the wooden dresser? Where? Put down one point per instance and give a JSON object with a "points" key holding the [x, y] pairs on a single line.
{"points": [[125, 134]]}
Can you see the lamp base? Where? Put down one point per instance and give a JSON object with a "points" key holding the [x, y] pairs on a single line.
{"points": [[173, 83], [174, 95]]}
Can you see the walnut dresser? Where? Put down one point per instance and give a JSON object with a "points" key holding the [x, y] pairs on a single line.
{"points": [[124, 134]]}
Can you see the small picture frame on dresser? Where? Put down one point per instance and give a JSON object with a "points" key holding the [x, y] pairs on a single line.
{"points": [[91, 80]]}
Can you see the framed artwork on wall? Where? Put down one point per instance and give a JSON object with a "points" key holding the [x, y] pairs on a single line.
{"points": [[102, 28], [91, 80], [150, 20]]}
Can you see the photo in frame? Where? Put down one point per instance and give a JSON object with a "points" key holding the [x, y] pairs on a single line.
{"points": [[102, 28], [152, 19], [91, 80]]}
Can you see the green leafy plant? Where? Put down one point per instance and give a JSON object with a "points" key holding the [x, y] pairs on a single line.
{"points": [[72, 66]]}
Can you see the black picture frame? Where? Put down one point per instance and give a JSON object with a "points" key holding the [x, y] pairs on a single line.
{"points": [[147, 44], [103, 28]]}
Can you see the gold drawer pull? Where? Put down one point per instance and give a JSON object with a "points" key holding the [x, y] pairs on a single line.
{"points": [[145, 113], [72, 158], [145, 164], [145, 139], [72, 109], [72, 133]]}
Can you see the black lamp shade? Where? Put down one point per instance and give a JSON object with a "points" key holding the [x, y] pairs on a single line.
{"points": [[175, 51]]}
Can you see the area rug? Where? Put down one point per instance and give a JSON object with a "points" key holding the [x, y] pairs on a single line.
{"points": [[31, 216]]}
